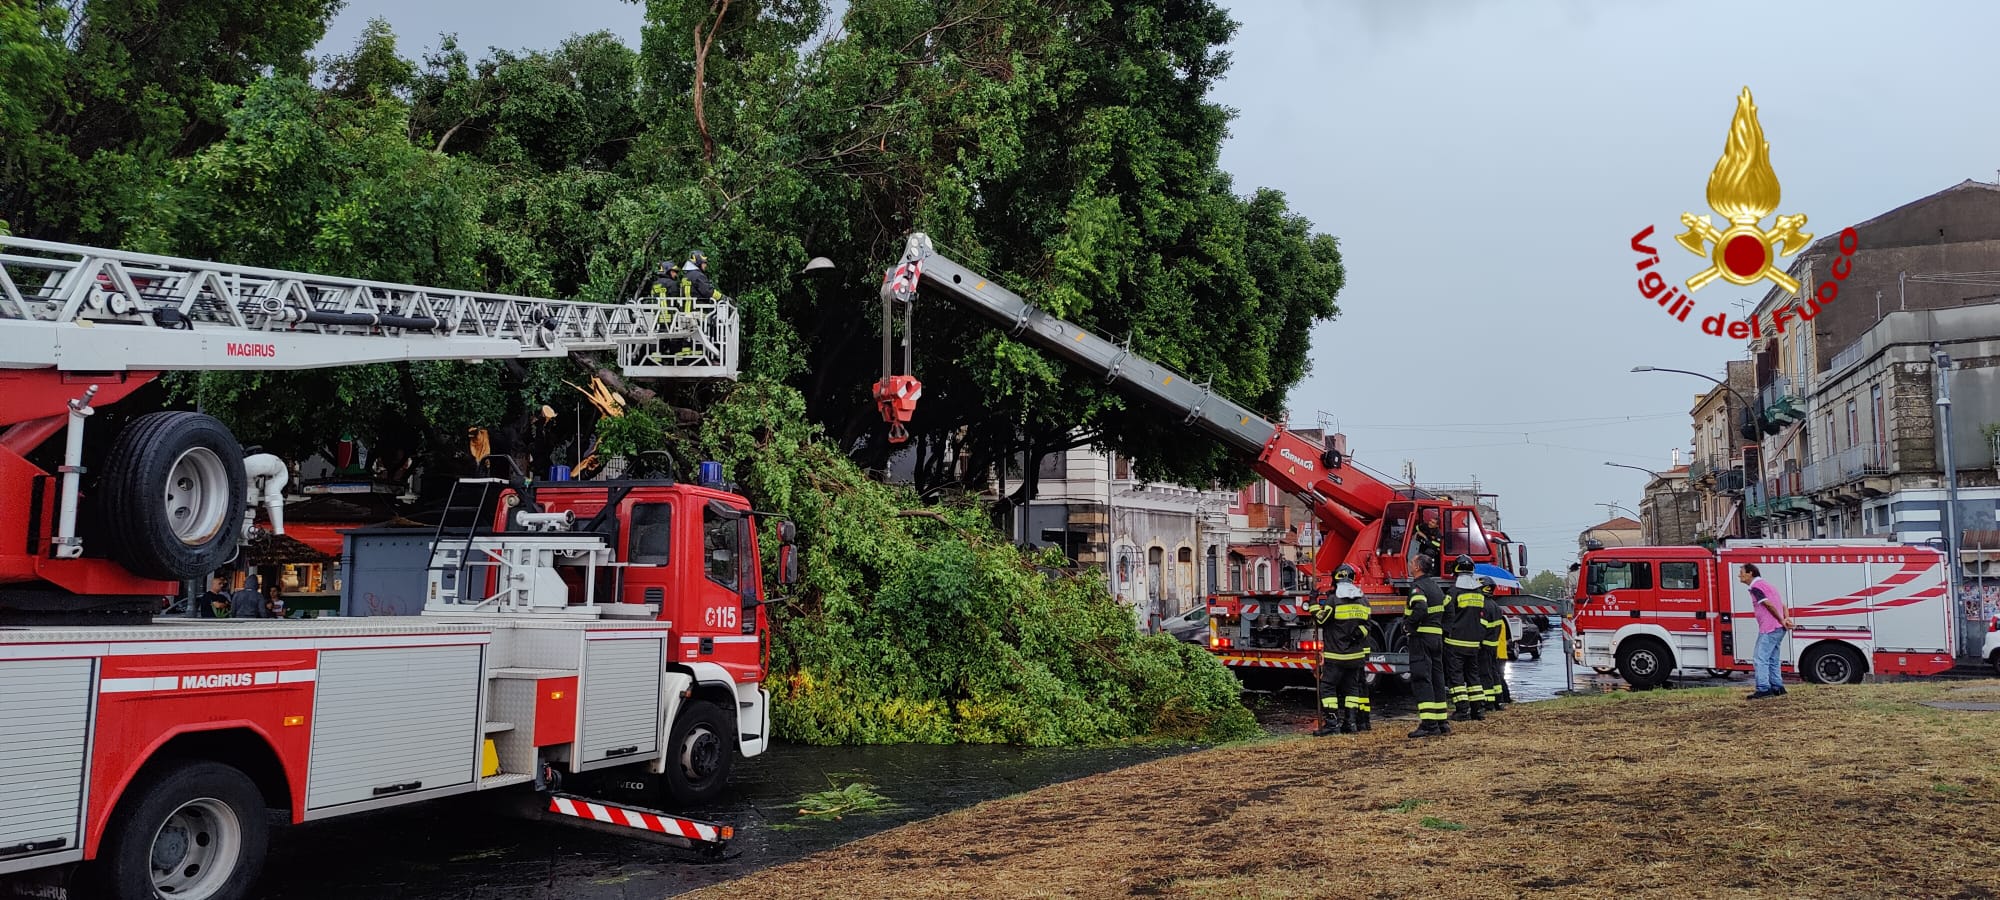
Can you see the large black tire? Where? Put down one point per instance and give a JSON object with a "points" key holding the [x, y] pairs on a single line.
{"points": [[1832, 663], [700, 751], [1644, 663], [172, 496], [1994, 660], [190, 830]]}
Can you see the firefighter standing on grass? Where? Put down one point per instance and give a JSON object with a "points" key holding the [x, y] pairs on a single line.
{"points": [[1493, 653], [1462, 635], [1425, 619], [1343, 631]]}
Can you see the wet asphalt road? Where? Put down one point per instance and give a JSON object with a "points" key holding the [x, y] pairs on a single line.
{"points": [[475, 847]]}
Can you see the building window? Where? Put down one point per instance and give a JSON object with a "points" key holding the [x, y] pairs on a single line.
{"points": [[1263, 575], [1235, 572], [1881, 424], [1853, 422], [1263, 494], [1054, 466], [1124, 468]]}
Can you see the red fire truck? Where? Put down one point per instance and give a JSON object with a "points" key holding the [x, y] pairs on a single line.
{"points": [[575, 634], [1859, 607], [1368, 522]]}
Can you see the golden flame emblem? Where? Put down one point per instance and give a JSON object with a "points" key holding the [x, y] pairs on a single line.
{"points": [[1744, 189]]}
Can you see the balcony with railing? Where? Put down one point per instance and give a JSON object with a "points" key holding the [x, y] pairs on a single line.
{"points": [[1856, 463], [1787, 494], [1782, 398], [1848, 357]]}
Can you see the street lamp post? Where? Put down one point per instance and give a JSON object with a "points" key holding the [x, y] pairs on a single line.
{"points": [[1680, 501], [1756, 531], [1941, 365]]}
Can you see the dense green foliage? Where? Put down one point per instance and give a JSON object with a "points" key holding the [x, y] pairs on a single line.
{"points": [[917, 623]]}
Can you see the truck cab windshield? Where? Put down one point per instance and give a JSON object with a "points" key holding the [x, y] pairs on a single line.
{"points": [[1612, 575]]}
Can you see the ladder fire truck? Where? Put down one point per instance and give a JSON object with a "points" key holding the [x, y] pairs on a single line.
{"points": [[576, 636], [1366, 522]]}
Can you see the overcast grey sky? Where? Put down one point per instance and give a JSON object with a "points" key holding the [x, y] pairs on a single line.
{"points": [[1485, 165]]}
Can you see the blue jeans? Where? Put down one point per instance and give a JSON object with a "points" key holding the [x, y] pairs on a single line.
{"points": [[1769, 677]]}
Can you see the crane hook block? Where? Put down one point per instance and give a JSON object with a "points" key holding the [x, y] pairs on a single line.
{"points": [[896, 397]]}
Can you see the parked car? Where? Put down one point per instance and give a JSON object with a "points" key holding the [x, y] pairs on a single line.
{"points": [[1190, 626], [1992, 649], [1524, 636]]}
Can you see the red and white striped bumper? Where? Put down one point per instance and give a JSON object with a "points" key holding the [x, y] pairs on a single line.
{"points": [[1260, 662], [644, 820]]}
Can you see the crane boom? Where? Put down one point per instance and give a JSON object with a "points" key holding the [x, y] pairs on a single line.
{"points": [[100, 310], [1343, 498]]}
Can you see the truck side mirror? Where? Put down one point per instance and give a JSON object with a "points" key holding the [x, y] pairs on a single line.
{"points": [[1521, 551], [788, 563], [788, 533]]}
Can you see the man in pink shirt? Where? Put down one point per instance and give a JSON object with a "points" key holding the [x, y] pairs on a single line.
{"points": [[1773, 623]]}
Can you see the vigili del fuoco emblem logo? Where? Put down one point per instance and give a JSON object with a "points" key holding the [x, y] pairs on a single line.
{"points": [[1743, 189]]}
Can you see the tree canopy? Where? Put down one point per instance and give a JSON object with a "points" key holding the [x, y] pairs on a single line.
{"points": [[1069, 150]]}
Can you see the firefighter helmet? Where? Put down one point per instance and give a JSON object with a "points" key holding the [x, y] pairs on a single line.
{"points": [[1461, 565], [1344, 573], [1486, 584], [698, 260]]}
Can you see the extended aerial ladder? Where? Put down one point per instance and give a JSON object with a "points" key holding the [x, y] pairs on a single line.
{"points": [[1366, 522], [82, 326]]}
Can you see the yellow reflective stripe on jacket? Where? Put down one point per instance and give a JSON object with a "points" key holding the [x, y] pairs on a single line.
{"points": [[1455, 642], [1350, 611], [1430, 629], [1345, 657]]}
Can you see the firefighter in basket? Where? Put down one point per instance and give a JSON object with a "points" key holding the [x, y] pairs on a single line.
{"points": [[1462, 636], [1343, 632]]}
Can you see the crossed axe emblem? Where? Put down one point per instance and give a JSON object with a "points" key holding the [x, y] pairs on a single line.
{"points": [[1745, 254]]}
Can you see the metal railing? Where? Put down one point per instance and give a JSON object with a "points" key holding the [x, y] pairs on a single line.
{"points": [[1856, 462], [1848, 357]]}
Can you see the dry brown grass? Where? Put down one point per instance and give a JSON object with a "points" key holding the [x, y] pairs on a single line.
{"points": [[1829, 792]]}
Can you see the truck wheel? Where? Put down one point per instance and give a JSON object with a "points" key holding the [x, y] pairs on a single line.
{"points": [[172, 495], [1644, 663], [1832, 664], [1995, 660], [699, 754], [192, 831]]}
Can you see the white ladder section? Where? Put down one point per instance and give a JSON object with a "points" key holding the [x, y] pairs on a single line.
{"points": [[89, 309]]}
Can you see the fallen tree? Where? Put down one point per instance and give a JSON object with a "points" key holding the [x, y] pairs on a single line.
{"points": [[920, 623]]}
